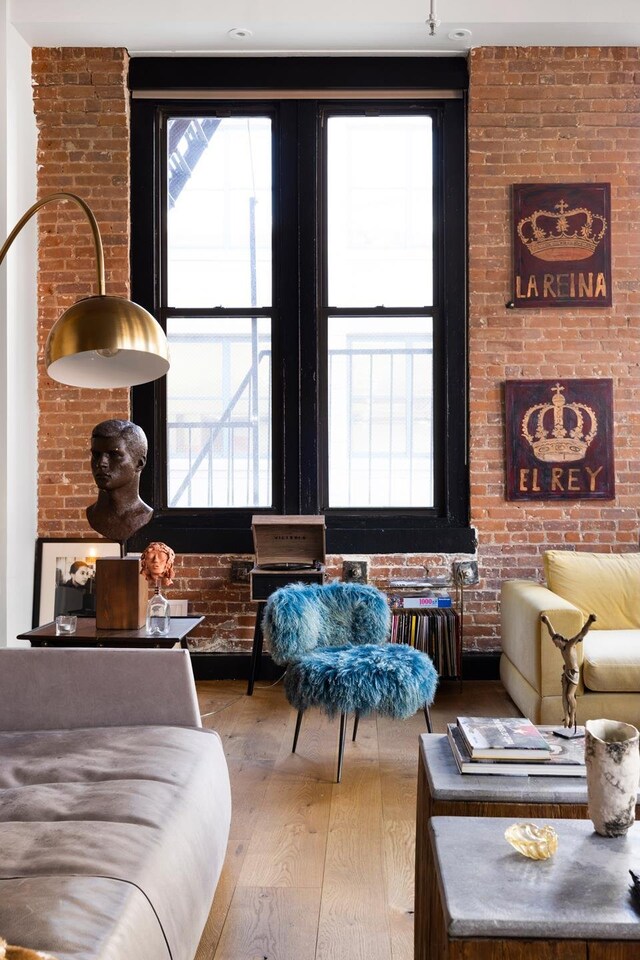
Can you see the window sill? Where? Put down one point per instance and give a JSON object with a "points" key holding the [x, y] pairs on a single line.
{"points": [[200, 535]]}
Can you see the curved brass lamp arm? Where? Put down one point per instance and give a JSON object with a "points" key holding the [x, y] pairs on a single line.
{"points": [[97, 239]]}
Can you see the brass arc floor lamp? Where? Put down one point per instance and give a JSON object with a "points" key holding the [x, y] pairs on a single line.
{"points": [[100, 342]]}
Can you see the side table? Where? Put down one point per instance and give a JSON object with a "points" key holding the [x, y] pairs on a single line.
{"points": [[443, 791], [87, 635], [489, 902]]}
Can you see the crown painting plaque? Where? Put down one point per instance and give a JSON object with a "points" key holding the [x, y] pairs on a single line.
{"points": [[561, 245], [559, 439]]}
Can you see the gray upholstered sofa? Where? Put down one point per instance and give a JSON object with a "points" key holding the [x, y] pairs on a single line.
{"points": [[114, 804]]}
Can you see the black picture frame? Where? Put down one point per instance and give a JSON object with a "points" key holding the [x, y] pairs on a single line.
{"points": [[52, 562]]}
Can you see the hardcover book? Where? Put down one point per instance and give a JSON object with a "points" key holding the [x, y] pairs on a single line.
{"points": [[416, 603], [506, 738], [565, 758]]}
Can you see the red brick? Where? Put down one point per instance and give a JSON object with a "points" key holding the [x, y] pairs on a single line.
{"points": [[547, 114]]}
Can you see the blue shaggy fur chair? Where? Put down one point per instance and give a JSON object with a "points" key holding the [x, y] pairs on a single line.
{"points": [[334, 642]]}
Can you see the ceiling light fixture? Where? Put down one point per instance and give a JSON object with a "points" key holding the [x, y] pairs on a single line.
{"points": [[461, 34], [100, 342], [240, 33], [432, 20]]}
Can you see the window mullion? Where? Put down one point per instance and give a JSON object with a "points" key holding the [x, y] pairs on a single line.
{"points": [[310, 325]]}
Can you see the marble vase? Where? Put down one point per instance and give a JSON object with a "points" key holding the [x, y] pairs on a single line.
{"points": [[612, 758]]}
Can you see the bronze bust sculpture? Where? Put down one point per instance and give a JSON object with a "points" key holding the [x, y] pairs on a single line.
{"points": [[118, 454]]}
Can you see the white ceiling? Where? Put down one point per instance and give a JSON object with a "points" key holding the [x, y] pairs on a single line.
{"points": [[199, 27]]}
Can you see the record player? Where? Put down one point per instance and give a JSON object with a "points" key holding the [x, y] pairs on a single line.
{"points": [[288, 549]]}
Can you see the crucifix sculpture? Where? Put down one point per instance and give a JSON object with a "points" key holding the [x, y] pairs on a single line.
{"points": [[570, 671]]}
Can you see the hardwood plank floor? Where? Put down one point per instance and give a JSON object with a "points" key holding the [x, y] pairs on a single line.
{"points": [[317, 870]]}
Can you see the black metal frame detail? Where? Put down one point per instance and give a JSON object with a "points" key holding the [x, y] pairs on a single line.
{"points": [[299, 311]]}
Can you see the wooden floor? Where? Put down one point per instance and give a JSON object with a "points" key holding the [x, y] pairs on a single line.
{"points": [[317, 870]]}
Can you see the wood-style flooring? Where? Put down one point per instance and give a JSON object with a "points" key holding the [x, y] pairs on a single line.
{"points": [[317, 870]]}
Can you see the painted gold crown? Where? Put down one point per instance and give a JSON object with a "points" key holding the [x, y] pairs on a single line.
{"points": [[557, 430], [566, 235]]}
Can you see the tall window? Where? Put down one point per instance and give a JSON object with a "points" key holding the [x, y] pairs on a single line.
{"points": [[218, 210], [378, 200], [306, 257]]}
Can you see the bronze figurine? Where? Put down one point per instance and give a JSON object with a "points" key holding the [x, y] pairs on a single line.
{"points": [[570, 672]]}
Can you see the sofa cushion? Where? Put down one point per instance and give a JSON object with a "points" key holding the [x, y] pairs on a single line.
{"points": [[607, 584], [145, 808], [75, 916], [612, 661]]}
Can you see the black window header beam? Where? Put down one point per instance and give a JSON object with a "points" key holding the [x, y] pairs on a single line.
{"points": [[330, 73]]}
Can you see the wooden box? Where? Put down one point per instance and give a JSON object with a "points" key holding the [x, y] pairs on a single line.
{"points": [[121, 594], [289, 549]]}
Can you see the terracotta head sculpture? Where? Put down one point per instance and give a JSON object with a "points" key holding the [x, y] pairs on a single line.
{"points": [[157, 563]]}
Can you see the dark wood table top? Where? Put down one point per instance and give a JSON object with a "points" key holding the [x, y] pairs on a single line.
{"points": [[87, 635]]}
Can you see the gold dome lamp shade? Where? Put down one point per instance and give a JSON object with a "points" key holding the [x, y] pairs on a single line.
{"points": [[100, 342]]}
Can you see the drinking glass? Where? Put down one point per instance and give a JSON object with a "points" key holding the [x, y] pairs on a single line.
{"points": [[65, 625]]}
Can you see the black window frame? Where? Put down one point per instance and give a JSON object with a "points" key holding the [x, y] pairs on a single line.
{"points": [[156, 84]]}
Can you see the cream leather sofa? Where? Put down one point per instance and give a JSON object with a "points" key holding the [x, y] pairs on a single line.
{"points": [[577, 584]]}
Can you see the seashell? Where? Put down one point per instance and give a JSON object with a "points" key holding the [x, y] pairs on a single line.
{"points": [[8, 952], [537, 843]]}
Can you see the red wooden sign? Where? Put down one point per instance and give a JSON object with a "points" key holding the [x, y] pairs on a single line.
{"points": [[559, 439], [562, 245]]}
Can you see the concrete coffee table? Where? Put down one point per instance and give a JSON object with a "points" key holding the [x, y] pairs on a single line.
{"points": [[488, 902], [443, 791]]}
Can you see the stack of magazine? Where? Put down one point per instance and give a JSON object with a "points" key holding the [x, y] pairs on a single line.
{"points": [[513, 746]]}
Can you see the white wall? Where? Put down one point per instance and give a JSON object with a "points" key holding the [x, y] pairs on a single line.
{"points": [[18, 313]]}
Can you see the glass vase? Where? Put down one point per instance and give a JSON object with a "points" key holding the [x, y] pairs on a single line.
{"points": [[158, 621]]}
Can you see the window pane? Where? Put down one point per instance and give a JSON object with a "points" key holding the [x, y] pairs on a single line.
{"points": [[219, 412], [219, 216], [380, 412], [379, 211]]}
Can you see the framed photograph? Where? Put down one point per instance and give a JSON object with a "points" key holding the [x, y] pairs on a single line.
{"points": [[65, 577], [562, 245], [559, 437]]}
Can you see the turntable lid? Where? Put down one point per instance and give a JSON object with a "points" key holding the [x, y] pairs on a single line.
{"points": [[295, 539]]}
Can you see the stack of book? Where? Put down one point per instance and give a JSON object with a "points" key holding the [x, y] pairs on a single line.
{"points": [[513, 746], [424, 601]]}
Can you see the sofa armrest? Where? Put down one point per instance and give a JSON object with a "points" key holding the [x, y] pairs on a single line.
{"points": [[526, 641], [45, 688]]}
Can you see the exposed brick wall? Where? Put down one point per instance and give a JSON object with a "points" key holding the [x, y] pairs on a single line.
{"points": [[549, 115], [81, 108], [559, 114]]}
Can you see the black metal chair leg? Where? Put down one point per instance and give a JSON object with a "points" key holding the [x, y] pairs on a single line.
{"points": [[256, 652], [343, 736], [355, 726], [297, 731], [427, 717]]}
